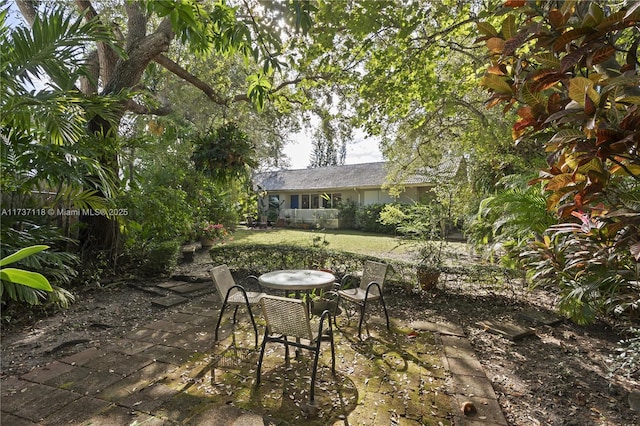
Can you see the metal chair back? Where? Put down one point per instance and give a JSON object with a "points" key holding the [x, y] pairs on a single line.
{"points": [[287, 316], [233, 294], [373, 272], [223, 281]]}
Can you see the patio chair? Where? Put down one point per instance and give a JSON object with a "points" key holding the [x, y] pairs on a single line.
{"points": [[234, 294], [289, 318], [370, 289]]}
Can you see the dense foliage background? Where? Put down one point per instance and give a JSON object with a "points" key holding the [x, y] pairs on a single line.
{"points": [[140, 122]]}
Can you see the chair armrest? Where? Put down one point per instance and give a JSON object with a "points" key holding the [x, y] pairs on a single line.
{"points": [[253, 277], [344, 281], [326, 315], [372, 284], [240, 289]]}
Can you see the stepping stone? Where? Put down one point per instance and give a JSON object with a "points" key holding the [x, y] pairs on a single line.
{"points": [[190, 288], [199, 278], [539, 317], [439, 327], [170, 284], [508, 329], [168, 301]]}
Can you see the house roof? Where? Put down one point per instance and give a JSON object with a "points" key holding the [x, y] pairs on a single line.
{"points": [[367, 175]]}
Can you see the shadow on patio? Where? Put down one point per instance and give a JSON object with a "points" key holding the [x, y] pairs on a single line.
{"points": [[389, 376]]}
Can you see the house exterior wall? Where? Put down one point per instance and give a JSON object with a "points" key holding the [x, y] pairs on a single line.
{"points": [[313, 213]]}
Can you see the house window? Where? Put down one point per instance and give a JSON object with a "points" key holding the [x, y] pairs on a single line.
{"points": [[315, 201], [331, 200], [294, 202], [305, 201]]}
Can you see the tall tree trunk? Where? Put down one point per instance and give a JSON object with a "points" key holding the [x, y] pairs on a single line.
{"points": [[100, 233]]}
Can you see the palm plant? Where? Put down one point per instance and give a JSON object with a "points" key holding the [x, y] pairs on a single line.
{"points": [[507, 221], [43, 115], [44, 146]]}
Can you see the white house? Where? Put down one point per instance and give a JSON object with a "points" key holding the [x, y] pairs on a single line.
{"points": [[310, 196]]}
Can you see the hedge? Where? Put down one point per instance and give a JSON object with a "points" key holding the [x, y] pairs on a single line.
{"points": [[261, 258]]}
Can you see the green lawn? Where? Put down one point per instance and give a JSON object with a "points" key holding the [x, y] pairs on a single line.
{"points": [[343, 240], [377, 245]]}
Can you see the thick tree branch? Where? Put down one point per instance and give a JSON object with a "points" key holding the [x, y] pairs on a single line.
{"points": [[176, 69], [215, 97], [92, 62], [136, 24], [28, 10], [128, 71], [107, 57]]}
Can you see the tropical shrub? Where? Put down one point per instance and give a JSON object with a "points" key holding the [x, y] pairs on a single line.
{"points": [[570, 69], [347, 214], [59, 267], [210, 201], [368, 219], [159, 220], [156, 214], [161, 257], [510, 219], [582, 261]]}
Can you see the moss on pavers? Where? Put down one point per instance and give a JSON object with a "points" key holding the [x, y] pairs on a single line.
{"points": [[385, 375], [115, 415], [77, 412], [84, 381], [134, 383]]}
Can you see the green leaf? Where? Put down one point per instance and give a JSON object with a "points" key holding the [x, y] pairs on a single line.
{"points": [[567, 135], [487, 29], [509, 28], [579, 87], [496, 83], [26, 278], [21, 254], [532, 98]]}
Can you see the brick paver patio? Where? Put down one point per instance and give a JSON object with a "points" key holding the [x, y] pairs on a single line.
{"points": [[171, 372]]}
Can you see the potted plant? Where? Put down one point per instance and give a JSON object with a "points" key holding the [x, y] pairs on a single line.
{"points": [[423, 225], [322, 300], [212, 233], [430, 263]]}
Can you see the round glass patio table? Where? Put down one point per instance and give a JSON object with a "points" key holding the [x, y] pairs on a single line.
{"points": [[297, 280]]}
